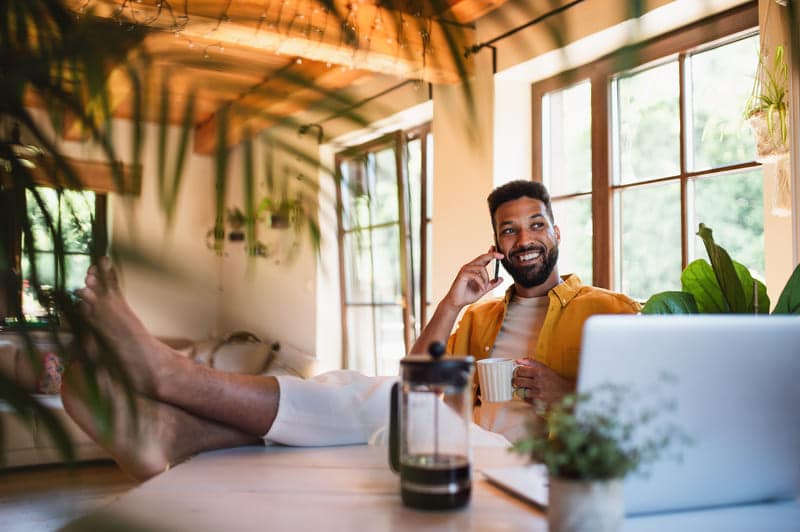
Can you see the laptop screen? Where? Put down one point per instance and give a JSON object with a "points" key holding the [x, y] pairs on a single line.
{"points": [[736, 384]]}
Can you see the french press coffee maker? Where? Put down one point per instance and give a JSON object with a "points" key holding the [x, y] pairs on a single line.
{"points": [[431, 412]]}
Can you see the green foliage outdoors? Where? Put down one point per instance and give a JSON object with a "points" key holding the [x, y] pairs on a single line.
{"points": [[595, 436], [723, 286]]}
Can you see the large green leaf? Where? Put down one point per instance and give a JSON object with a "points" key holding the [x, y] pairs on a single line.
{"points": [[748, 285], [789, 300], [699, 280], [725, 273], [671, 303]]}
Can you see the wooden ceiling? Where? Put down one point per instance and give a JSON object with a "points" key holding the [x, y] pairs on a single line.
{"points": [[261, 61]]}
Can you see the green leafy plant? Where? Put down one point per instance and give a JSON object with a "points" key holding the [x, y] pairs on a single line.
{"points": [[769, 96], [595, 436], [723, 286]]}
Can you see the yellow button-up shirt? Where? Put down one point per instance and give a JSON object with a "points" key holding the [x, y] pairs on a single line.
{"points": [[558, 347]]}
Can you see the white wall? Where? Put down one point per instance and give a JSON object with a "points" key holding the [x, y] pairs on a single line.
{"points": [[168, 276], [462, 175], [273, 297]]}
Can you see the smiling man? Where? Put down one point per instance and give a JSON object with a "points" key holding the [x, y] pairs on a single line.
{"points": [[540, 319]]}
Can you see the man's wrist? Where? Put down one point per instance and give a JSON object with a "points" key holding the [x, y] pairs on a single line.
{"points": [[445, 305]]}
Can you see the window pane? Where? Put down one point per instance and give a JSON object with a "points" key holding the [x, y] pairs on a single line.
{"points": [[567, 139], [42, 236], [383, 174], [429, 171], [358, 267], [360, 340], [574, 219], [386, 257], [355, 194], [77, 210], [722, 79], [648, 122], [415, 221], [651, 240], [76, 266], [389, 337], [732, 206], [45, 268]]}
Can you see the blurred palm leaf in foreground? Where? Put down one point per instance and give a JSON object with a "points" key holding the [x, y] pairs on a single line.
{"points": [[63, 66]]}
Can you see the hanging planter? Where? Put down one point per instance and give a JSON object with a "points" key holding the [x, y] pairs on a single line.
{"points": [[767, 108], [771, 146]]}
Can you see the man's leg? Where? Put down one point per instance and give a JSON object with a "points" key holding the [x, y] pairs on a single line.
{"points": [[159, 436], [244, 402]]}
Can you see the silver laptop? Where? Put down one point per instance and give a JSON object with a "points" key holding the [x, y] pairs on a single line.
{"points": [[736, 380]]}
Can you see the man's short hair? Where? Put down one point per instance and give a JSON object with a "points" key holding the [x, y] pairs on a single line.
{"points": [[517, 189]]}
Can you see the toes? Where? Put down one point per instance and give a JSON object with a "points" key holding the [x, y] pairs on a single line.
{"points": [[86, 295], [108, 273], [87, 299]]}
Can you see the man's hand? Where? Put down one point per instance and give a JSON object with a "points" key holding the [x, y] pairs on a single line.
{"points": [[540, 382], [472, 281]]}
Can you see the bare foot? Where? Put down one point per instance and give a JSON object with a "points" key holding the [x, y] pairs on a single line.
{"points": [[146, 360], [149, 438]]}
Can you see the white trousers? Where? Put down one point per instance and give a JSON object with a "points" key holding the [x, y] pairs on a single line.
{"points": [[341, 408]]}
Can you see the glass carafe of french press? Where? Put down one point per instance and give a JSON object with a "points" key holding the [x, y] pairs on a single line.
{"points": [[430, 430]]}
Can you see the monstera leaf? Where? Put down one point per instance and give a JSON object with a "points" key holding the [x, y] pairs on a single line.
{"points": [[671, 303], [789, 300], [724, 286], [738, 288]]}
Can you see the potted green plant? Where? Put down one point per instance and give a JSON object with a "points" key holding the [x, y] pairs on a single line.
{"points": [[589, 442], [766, 109], [723, 286]]}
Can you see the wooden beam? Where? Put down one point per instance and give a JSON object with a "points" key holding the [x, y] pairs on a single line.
{"points": [[466, 11], [275, 99], [361, 36], [96, 176]]}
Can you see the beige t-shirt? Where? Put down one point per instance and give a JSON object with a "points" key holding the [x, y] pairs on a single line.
{"points": [[520, 330], [518, 335]]}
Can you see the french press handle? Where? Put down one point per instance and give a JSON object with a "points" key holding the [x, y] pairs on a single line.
{"points": [[394, 429]]}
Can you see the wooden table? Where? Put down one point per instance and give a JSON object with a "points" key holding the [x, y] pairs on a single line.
{"points": [[352, 489]]}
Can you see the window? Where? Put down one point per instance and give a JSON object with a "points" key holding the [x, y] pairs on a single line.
{"points": [[385, 217], [639, 148], [78, 216]]}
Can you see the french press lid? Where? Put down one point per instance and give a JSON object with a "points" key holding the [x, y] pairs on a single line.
{"points": [[434, 368]]}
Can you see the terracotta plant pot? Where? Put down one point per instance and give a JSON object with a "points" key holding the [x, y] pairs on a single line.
{"points": [[582, 506], [769, 144]]}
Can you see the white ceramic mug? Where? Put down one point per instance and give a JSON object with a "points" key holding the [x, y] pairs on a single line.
{"points": [[495, 376]]}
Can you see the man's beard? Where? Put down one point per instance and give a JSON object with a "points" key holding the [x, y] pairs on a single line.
{"points": [[535, 274]]}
